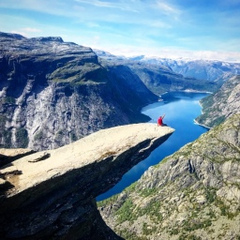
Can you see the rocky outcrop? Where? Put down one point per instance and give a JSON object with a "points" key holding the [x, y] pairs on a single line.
{"points": [[51, 194], [222, 104], [54, 92], [192, 194]]}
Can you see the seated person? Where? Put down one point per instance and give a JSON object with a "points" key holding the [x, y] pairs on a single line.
{"points": [[160, 121]]}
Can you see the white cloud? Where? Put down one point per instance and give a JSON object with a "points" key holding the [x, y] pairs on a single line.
{"points": [[167, 8], [122, 5], [98, 3], [156, 23], [27, 32], [31, 30], [129, 27], [172, 53]]}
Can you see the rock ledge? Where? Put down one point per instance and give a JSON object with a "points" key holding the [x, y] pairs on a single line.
{"points": [[52, 193]]}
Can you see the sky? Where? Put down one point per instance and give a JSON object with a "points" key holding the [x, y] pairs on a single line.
{"points": [[198, 29]]}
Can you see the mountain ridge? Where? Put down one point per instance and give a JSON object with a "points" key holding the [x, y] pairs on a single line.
{"points": [[211, 70], [63, 93], [158, 78]]}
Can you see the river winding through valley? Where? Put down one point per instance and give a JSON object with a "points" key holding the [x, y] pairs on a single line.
{"points": [[181, 108]]}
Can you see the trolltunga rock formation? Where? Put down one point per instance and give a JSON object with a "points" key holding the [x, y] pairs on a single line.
{"points": [[51, 195]]}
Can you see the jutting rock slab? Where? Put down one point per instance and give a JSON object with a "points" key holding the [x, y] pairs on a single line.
{"points": [[51, 194]]}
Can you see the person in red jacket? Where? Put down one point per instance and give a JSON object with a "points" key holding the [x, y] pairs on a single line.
{"points": [[160, 121]]}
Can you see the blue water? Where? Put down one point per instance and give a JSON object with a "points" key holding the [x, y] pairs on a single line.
{"points": [[181, 109]]}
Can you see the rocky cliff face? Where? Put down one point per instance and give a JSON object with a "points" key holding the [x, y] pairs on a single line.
{"points": [[192, 194], [222, 104], [53, 93], [51, 195]]}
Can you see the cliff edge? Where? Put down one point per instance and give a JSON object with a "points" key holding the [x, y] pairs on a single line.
{"points": [[51, 194]]}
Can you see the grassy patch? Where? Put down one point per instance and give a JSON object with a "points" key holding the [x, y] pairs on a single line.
{"points": [[125, 212], [9, 100], [38, 136], [148, 230], [146, 192], [3, 120], [22, 137], [107, 201], [185, 236], [197, 224], [152, 210], [210, 195], [126, 234]]}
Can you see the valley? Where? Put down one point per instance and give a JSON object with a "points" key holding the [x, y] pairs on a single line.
{"points": [[56, 95]]}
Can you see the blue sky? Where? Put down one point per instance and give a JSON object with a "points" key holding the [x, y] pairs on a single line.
{"points": [[207, 29]]}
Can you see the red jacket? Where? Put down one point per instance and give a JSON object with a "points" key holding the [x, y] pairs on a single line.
{"points": [[160, 121]]}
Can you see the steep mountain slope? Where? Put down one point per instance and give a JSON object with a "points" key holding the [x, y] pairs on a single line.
{"points": [[216, 71], [158, 78], [53, 92], [192, 194], [222, 104]]}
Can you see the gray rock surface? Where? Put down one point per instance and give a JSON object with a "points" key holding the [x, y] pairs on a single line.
{"points": [[9, 155], [51, 194], [54, 92], [192, 194], [222, 104]]}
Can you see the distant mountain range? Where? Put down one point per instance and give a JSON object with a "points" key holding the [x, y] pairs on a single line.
{"points": [[210, 70], [216, 71], [156, 76]]}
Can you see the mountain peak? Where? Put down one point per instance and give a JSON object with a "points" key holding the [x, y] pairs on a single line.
{"points": [[11, 36], [48, 39]]}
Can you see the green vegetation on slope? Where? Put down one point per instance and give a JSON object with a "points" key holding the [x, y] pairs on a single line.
{"points": [[192, 194], [222, 104]]}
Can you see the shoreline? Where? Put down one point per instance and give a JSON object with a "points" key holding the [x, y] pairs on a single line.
{"points": [[199, 102], [201, 125], [196, 91], [186, 91], [196, 122]]}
